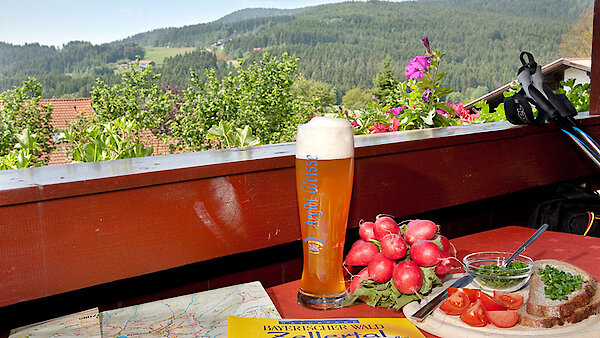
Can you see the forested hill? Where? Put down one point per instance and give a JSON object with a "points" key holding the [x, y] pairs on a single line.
{"points": [[253, 13], [344, 43]]}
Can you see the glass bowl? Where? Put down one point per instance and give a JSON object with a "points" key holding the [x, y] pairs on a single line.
{"points": [[484, 267]]}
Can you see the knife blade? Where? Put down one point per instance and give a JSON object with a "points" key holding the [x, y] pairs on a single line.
{"points": [[432, 304]]}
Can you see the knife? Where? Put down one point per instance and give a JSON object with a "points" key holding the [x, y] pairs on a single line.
{"points": [[427, 308]]}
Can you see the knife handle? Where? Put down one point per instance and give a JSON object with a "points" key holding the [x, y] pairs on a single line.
{"points": [[425, 310]]}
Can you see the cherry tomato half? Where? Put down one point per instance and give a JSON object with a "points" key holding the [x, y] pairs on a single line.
{"points": [[507, 318], [490, 303], [474, 315], [456, 303], [512, 300]]}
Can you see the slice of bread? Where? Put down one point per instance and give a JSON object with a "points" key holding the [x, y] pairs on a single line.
{"points": [[543, 312], [593, 307], [539, 305]]}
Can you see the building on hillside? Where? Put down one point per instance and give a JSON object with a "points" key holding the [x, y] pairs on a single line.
{"points": [[554, 72], [66, 111]]}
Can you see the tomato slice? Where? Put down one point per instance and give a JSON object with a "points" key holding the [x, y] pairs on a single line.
{"points": [[456, 304], [512, 300], [490, 303], [474, 315], [471, 293], [506, 318]]}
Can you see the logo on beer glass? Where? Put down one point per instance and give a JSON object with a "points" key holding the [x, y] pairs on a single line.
{"points": [[315, 245]]}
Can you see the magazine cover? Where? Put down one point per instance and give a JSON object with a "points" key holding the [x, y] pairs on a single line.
{"points": [[239, 327]]}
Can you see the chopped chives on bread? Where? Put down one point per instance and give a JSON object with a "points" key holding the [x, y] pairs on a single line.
{"points": [[544, 312]]}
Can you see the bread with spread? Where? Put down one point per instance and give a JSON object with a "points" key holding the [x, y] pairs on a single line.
{"points": [[547, 308]]}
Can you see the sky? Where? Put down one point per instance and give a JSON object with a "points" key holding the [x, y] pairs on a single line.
{"points": [[56, 22]]}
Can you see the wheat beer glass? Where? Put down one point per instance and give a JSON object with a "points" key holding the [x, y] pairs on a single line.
{"points": [[324, 172]]}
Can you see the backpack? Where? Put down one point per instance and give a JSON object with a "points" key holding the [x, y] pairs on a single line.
{"points": [[573, 209]]}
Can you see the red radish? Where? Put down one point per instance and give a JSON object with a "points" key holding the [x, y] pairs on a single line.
{"points": [[445, 264], [446, 244], [441, 277], [407, 277], [380, 268], [425, 253], [355, 283], [393, 246], [365, 231], [419, 229], [385, 225], [361, 254], [357, 243]]}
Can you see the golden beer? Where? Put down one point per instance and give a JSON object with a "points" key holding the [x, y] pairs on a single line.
{"points": [[324, 174]]}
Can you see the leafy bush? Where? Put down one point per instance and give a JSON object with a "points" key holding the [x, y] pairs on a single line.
{"points": [[22, 155], [113, 140], [20, 110]]}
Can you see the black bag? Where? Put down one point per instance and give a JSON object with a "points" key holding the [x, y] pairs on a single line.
{"points": [[573, 209]]}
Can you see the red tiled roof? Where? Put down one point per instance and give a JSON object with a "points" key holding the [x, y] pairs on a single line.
{"points": [[69, 110]]}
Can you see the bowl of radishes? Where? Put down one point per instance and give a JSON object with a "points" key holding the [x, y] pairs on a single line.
{"points": [[394, 264]]}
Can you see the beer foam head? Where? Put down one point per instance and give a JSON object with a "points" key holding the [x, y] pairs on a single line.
{"points": [[325, 138]]}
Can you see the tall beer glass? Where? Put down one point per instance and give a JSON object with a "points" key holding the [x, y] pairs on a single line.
{"points": [[324, 173]]}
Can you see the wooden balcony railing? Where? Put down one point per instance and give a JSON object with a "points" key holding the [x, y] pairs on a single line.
{"points": [[65, 228]]}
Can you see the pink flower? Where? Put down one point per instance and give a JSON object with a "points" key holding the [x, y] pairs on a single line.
{"points": [[416, 66], [425, 42], [396, 111], [379, 128], [426, 95], [395, 124]]}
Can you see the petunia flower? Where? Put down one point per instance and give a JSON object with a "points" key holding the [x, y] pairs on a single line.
{"points": [[426, 95], [416, 66], [425, 41], [395, 124], [379, 128], [396, 111]]}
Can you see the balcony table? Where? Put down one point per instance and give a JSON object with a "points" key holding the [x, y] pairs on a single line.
{"points": [[575, 249]]}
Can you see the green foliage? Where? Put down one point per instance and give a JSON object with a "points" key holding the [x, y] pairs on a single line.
{"points": [[319, 94], [113, 140], [421, 99], [578, 94], [259, 96], [138, 97], [384, 80], [230, 137], [22, 156], [357, 98], [20, 109]]}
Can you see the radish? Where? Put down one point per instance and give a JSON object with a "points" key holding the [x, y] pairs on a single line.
{"points": [[393, 246], [357, 243], [385, 225], [380, 268], [361, 254], [365, 231], [425, 253], [356, 279], [445, 243], [441, 277], [419, 229], [407, 277], [444, 265]]}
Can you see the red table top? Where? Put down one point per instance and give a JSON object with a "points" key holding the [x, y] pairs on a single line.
{"points": [[575, 249]]}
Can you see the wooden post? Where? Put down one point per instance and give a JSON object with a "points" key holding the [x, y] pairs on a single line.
{"points": [[595, 78]]}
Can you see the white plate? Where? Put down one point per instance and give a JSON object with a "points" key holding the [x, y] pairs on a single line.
{"points": [[443, 325]]}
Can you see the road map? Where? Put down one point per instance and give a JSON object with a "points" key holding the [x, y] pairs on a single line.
{"points": [[202, 314], [80, 324]]}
